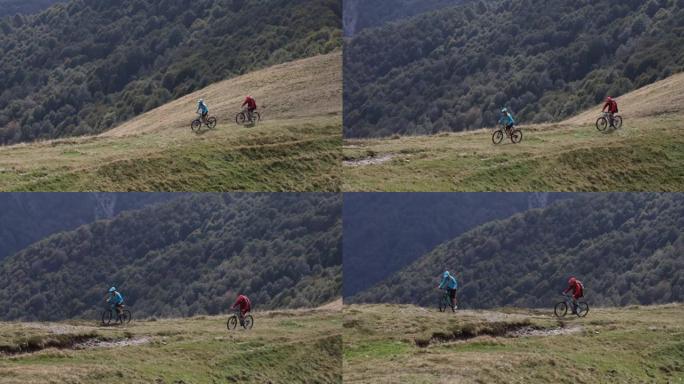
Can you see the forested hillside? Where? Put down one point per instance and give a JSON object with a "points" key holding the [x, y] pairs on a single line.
{"points": [[85, 66], [189, 256], [361, 14], [453, 69], [26, 217], [386, 232], [626, 248], [13, 7]]}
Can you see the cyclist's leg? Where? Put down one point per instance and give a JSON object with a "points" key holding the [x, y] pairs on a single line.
{"points": [[452, 297]]}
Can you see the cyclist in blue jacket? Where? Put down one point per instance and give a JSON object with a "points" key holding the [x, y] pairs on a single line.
{"points": [[115, 300], [450, 284], [507, 119], [202, 109]]}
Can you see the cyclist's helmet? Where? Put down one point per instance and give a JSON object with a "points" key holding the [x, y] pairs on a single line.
{"points": [[446, 274], [609, 98], [112, 289], [201, 101], [571, 281], [504, 110]]}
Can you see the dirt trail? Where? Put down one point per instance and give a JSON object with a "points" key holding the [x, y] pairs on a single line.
{"points": [[302, 88]]}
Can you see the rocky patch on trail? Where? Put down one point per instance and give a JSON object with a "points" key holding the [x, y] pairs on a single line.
{"points": [[368, 161]]}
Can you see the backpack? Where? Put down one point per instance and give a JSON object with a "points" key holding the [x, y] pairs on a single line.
{"points": [[616, 106], [581, 286]]}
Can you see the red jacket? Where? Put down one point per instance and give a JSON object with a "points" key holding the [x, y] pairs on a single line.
{"points": [[244, 304], [611, 106], [250, 102], [577, 289]]}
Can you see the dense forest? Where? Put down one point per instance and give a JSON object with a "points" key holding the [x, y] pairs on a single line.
{"points": [[453, 69], [189, 256], [362, 14], [28, 217], [385, 232], [13, 7], [86, 65], [625, 248]]}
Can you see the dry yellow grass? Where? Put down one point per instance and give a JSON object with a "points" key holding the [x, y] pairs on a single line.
{"points": [[299, 89]]}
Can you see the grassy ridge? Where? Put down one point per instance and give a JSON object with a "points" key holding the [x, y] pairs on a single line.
{"points": [[284, 156], [644, 156], [386, 343], [283, 347]]}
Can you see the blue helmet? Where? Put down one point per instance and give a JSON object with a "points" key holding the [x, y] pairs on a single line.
{"points": [[112, 289], [446, 274], [504, 110]]}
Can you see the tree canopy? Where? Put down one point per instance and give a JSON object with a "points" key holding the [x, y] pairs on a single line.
{"points": [[189, 256], [453, 69], [84, 66]]}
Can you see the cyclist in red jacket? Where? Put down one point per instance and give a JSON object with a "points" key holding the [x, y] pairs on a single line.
{"points": [[612, 108], [577, 289], [251, 106], [245, 306]]}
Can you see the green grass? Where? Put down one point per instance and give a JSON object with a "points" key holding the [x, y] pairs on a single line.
{"points": [[645, 155], [611, 345], [197, 350], [298, 155]]}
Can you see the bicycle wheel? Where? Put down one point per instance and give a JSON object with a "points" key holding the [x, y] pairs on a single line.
{"points": [[196, 125], [240, 118], [617, 121], [106, 317], [125, 317], [582, 309], [601, 124], [249, 322], [561, 309], [516, 136], [256, 116], [497, 136], [232, 322], [211, 122]]}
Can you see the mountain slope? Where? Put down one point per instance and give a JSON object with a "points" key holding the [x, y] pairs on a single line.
{"points": [[644, 155], [295, 148], [284, 346], [407, 344], [386, 232], [626, 248], [455, 68], [26, 218], [189, 256], [86, 66]]}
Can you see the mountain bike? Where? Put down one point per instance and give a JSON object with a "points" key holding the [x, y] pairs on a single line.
{"points": [[121, 318], [603, 122], [209, 121], [234, 320], [242, 117], [445, 302], [561, 308], [515, 134]]}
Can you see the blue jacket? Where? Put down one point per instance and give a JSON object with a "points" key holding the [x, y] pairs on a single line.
{"points": [[508, 119], [202, 107], [448, 281], [116, 298]]}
